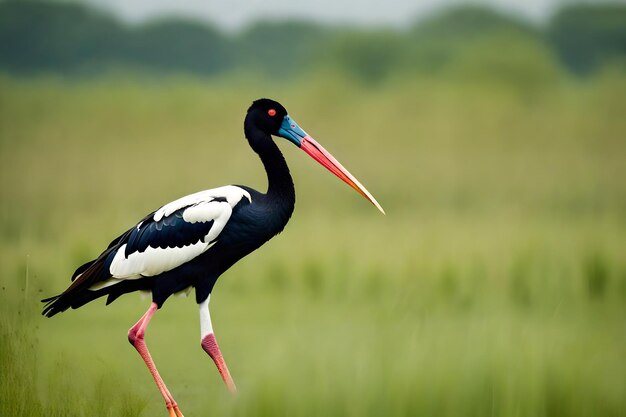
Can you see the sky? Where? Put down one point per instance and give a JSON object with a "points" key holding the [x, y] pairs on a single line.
{"points": [[235, 14]]}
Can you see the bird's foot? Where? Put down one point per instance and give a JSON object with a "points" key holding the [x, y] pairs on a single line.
{"points": [[174, 411]]}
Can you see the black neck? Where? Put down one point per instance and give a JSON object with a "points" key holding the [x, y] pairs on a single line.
{"points": [[280, 191]]}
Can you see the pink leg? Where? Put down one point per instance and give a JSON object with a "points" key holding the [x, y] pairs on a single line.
{"points": [[209, 344], [136, 338]]}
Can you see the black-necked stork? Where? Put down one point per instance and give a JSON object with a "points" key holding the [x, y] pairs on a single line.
{"points": [[190, 242]]}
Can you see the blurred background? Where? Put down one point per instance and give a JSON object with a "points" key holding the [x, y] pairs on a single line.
{"points": [[494, 135]]}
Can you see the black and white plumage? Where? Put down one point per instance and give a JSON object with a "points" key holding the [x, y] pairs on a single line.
{"points": [[189, 242], [168, 238]]}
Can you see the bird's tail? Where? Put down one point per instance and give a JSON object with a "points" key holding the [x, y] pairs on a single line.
{"points": [[63, 301], [78, 293]]}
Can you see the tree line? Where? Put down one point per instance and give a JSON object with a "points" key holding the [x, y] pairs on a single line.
{"points": [[70, 38]]}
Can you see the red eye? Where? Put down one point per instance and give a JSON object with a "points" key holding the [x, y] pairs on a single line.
{"points": [[271, 112]]}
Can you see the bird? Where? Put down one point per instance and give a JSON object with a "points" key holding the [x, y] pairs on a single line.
{"points": [[188, 243]]}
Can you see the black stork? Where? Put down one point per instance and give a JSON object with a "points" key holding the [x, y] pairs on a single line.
{"points": [[190, 242]]}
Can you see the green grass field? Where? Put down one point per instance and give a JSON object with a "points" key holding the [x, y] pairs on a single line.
{"points": [[495, 285]]}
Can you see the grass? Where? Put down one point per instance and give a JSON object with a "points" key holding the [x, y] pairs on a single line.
{"points": [[495, 285]]}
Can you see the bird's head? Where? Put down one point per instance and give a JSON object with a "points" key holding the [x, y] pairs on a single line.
{"points": [[266, 115], [272, 118]]}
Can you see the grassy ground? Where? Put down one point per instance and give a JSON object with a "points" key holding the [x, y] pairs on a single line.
{"points": [[495, 285]]}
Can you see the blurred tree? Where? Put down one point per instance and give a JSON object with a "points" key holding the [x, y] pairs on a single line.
{"points": [[69, 38], [471, 41], [178, 45], [48, 36], [519, 61], [587, 37], [280, 49], [465, 22], [440, 42], [369, 56]]}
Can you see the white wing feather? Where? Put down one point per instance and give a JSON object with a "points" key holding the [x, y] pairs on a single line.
{"points": [[203, 206], [231, 193]]}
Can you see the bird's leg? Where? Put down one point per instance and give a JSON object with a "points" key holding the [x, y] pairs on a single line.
{"points": [[209, 344], [136, 338]]}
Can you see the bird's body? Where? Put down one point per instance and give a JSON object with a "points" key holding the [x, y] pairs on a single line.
{"points": [[189, 242]]}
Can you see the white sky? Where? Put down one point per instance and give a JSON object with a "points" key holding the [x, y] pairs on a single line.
{"points": [[233, 14]]}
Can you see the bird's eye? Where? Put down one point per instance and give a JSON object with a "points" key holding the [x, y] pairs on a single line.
{"points": [[271, 112]]}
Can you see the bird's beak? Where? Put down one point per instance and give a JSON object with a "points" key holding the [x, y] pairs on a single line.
{"points": [[291, 131]]}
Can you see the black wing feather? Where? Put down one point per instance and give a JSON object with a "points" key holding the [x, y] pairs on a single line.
{"points": [[169, 232]]}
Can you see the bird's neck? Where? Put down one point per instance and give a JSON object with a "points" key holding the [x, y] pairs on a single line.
{"points": [[280, 190]]}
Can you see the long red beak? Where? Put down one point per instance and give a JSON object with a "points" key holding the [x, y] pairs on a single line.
{"points": [[321, 155]]}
